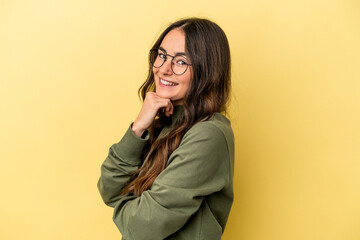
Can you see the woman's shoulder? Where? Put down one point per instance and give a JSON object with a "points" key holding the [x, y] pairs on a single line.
{"points": [[216, 127], [210, 139]]}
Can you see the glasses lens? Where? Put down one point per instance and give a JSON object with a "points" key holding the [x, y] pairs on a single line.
{"points": [[157, 58], [179, 65]]}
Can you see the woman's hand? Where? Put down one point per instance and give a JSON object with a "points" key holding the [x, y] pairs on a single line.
{"points": [[151, 106]]}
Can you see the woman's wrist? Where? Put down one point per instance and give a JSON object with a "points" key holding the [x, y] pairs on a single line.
{"points": [[138, 131]]}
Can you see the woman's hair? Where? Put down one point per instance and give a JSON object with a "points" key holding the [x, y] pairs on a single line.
{"points": [[208, 49]]}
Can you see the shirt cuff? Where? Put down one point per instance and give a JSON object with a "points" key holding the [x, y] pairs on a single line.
{"points": [[130, 147]]}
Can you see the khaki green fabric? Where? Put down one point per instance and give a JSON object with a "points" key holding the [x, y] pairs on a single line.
{"points": [[190, 199]]}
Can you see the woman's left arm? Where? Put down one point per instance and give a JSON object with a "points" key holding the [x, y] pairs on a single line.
{"points": [[199, 167], [124, 158]]}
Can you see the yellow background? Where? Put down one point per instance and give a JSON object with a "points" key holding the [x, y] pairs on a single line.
{"points": [[69, 74]]}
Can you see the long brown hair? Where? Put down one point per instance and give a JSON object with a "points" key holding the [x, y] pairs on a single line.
{"points": [[208, 49]]}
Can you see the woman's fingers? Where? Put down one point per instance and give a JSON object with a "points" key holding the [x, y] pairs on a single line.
{"points": [[158, 102], [169, 109], [150, 108], [167, 104]]}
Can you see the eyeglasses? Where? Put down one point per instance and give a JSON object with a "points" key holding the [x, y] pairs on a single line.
{"points": [[179, 63]]}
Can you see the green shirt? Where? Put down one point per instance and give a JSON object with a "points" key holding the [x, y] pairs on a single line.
{"points": [[190, 199]]}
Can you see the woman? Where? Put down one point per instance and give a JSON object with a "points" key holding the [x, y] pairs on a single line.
{"points": [[170, 176]]}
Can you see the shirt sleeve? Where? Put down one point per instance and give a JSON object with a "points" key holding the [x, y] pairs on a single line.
{"points": [[123, 158], [199, 167]]}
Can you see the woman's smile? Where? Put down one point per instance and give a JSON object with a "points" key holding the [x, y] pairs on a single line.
{"points": [[167, 83]]}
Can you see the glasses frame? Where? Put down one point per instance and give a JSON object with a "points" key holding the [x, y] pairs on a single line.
{"points": [[166, 55]]}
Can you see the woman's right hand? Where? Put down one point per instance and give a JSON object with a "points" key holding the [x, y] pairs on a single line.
{"points": [[149, 109]]}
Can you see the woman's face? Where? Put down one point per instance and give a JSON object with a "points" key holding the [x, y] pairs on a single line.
{"points": [[169, 85]]}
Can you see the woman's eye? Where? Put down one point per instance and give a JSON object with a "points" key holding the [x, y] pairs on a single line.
{"points": [[161, 55], [181, 62]]}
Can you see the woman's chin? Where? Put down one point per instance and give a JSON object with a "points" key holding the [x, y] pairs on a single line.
{"points": [[163, 94], [174, 100]]}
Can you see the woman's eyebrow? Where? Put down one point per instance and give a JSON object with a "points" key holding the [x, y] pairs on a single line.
{"points": [[176, 54]]}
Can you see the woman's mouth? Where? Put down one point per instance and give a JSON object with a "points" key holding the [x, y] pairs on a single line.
{"points": [[167, 83]]}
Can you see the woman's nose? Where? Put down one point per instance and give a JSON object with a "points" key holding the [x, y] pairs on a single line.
{"points": [[166, 67]]}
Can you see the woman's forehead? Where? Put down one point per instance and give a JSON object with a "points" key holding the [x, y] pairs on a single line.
{"points": [[175, 54], [174, 42]]}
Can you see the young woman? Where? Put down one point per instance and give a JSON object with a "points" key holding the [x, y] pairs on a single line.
{"points": [[170, 176]]}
